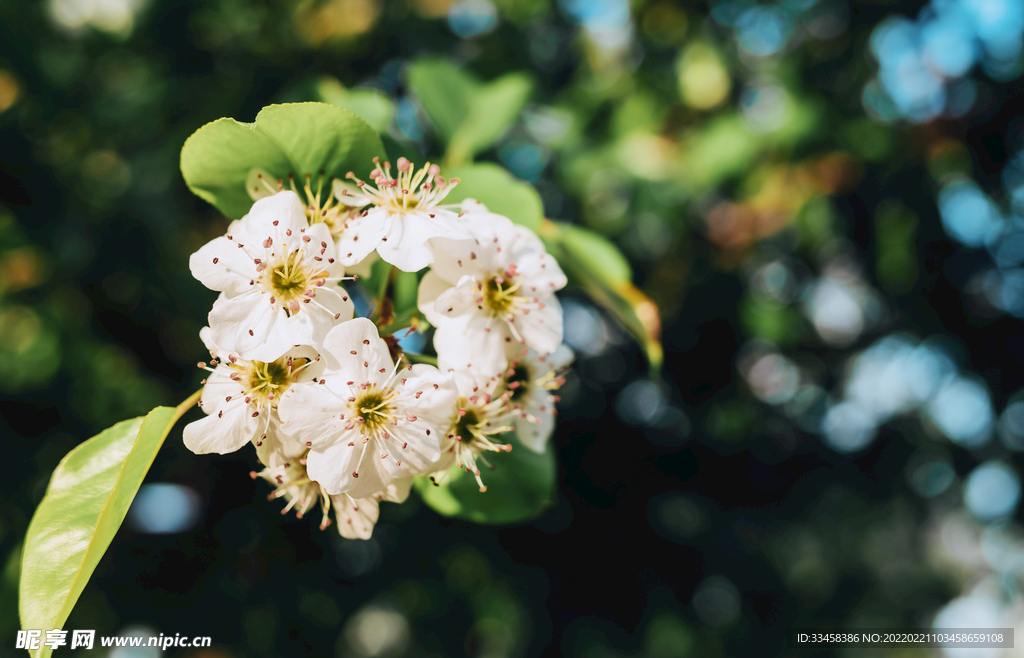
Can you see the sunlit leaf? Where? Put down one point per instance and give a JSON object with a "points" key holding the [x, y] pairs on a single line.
{"points": [[595, 264], [597, 254], [293, 138], [520, 488], [87, 499], [497, 189]]}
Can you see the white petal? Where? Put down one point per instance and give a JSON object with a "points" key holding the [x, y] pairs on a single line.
{"points": [[362, 235], [285, 208], [356, 516], [222, 432], [364, 267], [254, 184], [541, 274], [356, 349], [454, 259], [334, 463], [560, 358], [535, 435], [407, 246], [470, 204], [445, 461], [310, 413], [218, 387], [457, 300], [206, 336], [242, 325], [279, 448], [479, 254], [410, 450], [464, 343], [438, 398], [397, 491], [542, 328], [232, 271], [431, 287]]}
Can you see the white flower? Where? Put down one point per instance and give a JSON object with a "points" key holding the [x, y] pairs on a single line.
{"points": [[367, 422], [278, 278], [478, 415], [532, 378], [493, 294], [403, 215], [241, 397], [287, 472]]}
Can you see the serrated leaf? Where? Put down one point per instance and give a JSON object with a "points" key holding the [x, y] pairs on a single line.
{"points": [[520, 488], [499, 190], [292, 138], [470, 115], [85, 503]]}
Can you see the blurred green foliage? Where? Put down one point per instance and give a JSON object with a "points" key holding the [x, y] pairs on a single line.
{"points": [[747, 190]]}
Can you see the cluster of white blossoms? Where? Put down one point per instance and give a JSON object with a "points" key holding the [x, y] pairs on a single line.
{"points": [[338, 416]]}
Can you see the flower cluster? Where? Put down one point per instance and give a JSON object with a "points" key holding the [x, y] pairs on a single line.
{"points": [[337, 414]]}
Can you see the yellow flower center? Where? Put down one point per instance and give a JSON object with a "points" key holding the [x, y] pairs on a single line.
{"points": [[268, 380], [499, 296], [375, 407]]}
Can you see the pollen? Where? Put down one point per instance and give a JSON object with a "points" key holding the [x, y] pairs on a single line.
{"points": [[266, 381], [410, 190], [500, 294], [291, 279]]}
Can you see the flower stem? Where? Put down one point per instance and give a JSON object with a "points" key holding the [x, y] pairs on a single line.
{"points": [[189, 402]]}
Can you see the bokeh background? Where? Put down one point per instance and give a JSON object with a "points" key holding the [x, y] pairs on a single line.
{"points": [[824, 197]]}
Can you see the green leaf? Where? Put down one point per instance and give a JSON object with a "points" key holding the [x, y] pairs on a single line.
{"points": [[597, 254], [470, 115], [445, 92], [372, 105], [520, 488], [87, 499], [293, 138], [595, 264], [497, 189], [723, 148], [492, 111]]}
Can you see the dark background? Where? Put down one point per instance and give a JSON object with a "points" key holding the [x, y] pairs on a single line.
{"points": [[701, 513]]}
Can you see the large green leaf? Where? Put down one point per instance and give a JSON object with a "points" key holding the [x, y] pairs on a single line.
{"points": [[594, 263], [497, 189], [520, 488], [292, 138], [469, 114], [87, 499]]}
